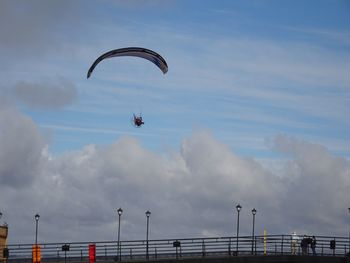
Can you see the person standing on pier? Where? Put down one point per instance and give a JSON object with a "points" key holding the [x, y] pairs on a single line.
{"points": [[313, 245], [295, 239]]}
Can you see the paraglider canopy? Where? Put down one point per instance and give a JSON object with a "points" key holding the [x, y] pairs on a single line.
{"points": [[145, 53]]}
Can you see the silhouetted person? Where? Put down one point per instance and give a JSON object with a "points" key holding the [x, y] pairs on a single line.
{"points": [[303, 245], [313, 245]]}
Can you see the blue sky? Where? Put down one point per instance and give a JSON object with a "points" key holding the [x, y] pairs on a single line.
{"points": [[246, 71], [263, 84]]}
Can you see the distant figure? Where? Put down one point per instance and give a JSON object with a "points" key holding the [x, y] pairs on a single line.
{"points": [[295, 240], [313, 245], [304, 245]]}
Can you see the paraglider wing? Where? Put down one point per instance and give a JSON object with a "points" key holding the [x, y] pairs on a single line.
{"points": [[150, 55]]}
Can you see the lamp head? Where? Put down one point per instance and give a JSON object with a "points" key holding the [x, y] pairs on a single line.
{"points": [[238, 207], [148, 213], [37, 216], [254, 211], [120, 211]]}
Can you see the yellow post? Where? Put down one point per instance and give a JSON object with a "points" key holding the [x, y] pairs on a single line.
{"points": [[265, 244]]}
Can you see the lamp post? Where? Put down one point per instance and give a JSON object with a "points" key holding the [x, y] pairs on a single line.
{"points": [[148, 213], [120, 211], [238, 208], [253, 232], [37, 216]]}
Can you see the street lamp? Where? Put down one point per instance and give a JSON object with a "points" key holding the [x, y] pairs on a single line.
{"points": [[148, 213], [37, 216], [120, 211], [238, 207], [253, 232]]}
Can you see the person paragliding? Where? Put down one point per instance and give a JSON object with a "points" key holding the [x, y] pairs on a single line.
{"points": [[144, 53], [138, 122]]}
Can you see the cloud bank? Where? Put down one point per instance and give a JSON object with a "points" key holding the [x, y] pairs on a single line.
{"points": [[190, 191]]}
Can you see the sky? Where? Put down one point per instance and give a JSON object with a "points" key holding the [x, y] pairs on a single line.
{"points": [[254, 110]]}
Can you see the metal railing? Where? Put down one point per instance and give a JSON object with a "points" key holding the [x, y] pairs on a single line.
{"points": [[175, 249]]}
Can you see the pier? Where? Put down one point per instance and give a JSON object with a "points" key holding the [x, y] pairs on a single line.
{"points": [[269, 248]]}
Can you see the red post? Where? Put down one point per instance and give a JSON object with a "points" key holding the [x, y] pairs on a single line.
{"points": [[92, 253]]}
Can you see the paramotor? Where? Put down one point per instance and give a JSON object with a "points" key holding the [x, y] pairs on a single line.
{"points": [[145, 53], [138, 122]]}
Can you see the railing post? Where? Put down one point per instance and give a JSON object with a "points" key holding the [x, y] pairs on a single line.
{"points": [[282, 244], [130, 253], [229, 246], [203, 248]]}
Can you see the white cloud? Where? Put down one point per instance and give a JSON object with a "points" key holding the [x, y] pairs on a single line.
{"points": [[190, 192], [318, 184], [21, 148]]}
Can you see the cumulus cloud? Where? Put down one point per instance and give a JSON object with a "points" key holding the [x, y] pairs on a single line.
{"points": [[317, 185], [191, 191], [20, 149], [53, 94]]}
